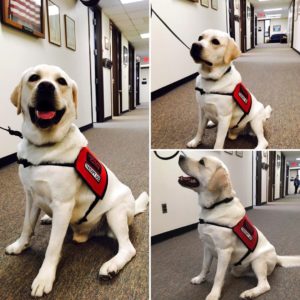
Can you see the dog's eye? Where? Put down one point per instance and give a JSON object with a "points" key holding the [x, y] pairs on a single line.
{"points": [[34, 78], [62, 81], [200, 38], [215, 42], [201, 162]]}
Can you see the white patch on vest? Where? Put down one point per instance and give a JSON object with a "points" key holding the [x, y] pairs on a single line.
{"points": [[92, 172], [243, 97], [249, 236]]}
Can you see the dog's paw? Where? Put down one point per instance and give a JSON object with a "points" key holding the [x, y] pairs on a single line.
{"points": [[193, 143], [108, 270], [232, 136], [247, 295], [80, 237], [46, 220], [212, 296], [42, 283], [197, 280], [16, 248]]}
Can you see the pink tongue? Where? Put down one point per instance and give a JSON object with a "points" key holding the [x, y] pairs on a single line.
{"points": [[45, 115]]}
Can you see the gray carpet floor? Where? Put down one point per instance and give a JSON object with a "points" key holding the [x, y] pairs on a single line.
{"points": [[175, 261], [271, 72], [123, 145]]}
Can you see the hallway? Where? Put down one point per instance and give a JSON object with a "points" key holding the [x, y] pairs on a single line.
{"points": [[181, 256], [270, 71], [79, 265]]}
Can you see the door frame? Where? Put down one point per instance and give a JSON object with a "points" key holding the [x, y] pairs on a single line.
{"points": [[131, 71], [243, 24], [252, 27], [98, 64], [258, 177], [282, 177], [231, 19], [287, 176], [272, 166], [137, 78]]}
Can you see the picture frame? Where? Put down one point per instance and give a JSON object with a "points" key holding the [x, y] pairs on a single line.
{"points": [[239, 153], [23, 19], [215, 4], [53, 17], [125, 55], [276, 28], [106, 43], [70, 33], [204, 3]]}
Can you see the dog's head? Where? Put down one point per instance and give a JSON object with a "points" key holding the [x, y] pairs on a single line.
{"points": [[47, 98], [209, 175], [214, 48]]}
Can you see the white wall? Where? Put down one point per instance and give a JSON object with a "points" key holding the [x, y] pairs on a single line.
{"points": [[282, 22], [125, 77], [248, 26], [144, 88], [182, 203], [107, 88], [260, 34], [170, 60], [297, 29], [20, 51], [277, 174]]}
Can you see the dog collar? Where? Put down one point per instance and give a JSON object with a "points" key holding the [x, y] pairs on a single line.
{"points": [[245, 231], [89, 168], [241, 96], [226, 200], [211, 79]]}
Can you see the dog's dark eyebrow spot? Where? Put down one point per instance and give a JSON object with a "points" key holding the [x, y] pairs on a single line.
{"points": [[201, 162], [200, 38], [34, 77], [61, 81]]}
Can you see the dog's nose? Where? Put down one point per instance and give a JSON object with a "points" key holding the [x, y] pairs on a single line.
{"points": [[46, 87], [196, 50]]}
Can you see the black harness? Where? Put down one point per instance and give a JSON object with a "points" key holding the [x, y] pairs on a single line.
{"points": [[233, 95], [239, 229]]}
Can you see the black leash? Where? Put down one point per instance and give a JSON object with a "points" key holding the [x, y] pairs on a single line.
{"points": [[12, 132], [169, 28]]}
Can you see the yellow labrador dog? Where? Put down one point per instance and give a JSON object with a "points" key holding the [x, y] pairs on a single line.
{"points": [[214, 51], [47, 98], [225, 230]]}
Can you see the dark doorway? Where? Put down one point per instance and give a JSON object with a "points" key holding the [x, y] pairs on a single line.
{"points": [[137, 72], [282, 178], [258, 177], [287, 180], [243, 25], [131, 78], [272, 166], [253, 29], [98, 65], [117, 70], [231, 19]]}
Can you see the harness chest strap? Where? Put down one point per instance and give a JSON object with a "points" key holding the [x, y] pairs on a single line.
{"points": [[241, 96], [245, 231], [89, 168]]}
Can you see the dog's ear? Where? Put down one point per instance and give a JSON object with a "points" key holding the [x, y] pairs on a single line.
{"points": [[219, 181], [232, 51], [75, 95], [15, 97]]}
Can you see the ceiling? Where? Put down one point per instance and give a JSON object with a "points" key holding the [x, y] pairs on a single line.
{"points": [[291, 155], [259, 7], [132, 19]]}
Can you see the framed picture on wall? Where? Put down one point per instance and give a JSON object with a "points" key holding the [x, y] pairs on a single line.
{"points": [[125, 55], [204, 3], [54, 32], [17, 15], [215, 4], [70, 33], [276, 28]]}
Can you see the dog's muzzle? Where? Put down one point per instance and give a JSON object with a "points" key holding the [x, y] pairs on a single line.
{"points": [[196, 52], [44, 113]]}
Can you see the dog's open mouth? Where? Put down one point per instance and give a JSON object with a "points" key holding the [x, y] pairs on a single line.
{"points": [[188, 181], [45, 119]]}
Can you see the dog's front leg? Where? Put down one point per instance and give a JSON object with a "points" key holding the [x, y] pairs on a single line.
{"points": [[224, 256], [201, 126], [207, 260], [223, 127], [31, 215], [43, 282]]}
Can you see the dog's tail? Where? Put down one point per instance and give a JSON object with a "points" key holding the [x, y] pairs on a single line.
{"points": [[141, 203], [288, 261], [268, 111]]}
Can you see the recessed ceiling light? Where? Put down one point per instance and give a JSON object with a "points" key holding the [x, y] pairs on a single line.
{"points": [[298, 158], [130, 1], [263, 0], [273, 16], [145, 35], [272, 9]]}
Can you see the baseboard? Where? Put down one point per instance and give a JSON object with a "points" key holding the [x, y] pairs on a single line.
{"points": [[249, 207], [107, 118], [125, 111], [12, 158], [166, 89], [172, 233], [86, 127], [296, 50]]}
